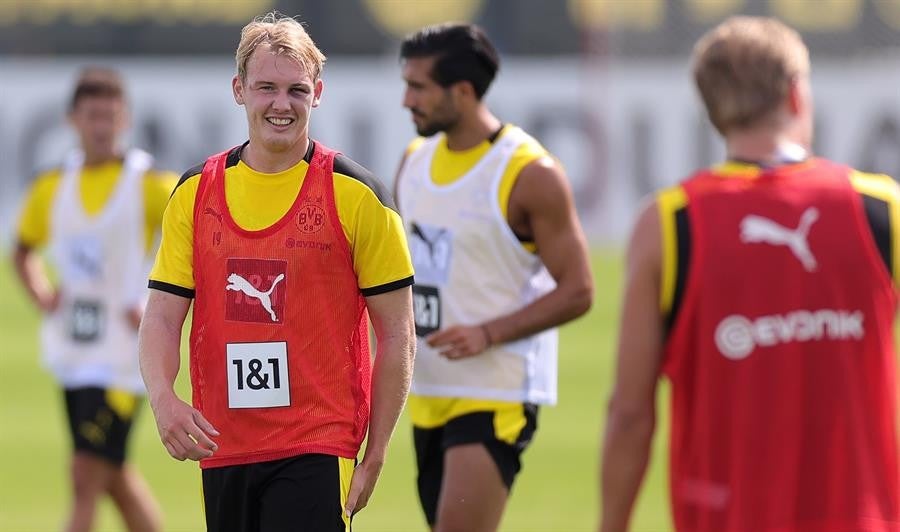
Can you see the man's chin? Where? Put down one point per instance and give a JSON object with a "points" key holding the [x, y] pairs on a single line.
{"points": [[280, 144], [427, 131]]}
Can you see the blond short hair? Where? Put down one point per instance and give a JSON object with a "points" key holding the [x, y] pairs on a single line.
{"points": [[285, 36], [744, 68]]}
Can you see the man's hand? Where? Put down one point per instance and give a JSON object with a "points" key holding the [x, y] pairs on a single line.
{"points": [[361, 486], [460, 341], [29, 267], [183, 429]]}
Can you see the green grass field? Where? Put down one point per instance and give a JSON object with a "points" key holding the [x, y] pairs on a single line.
{"points": [[557, 490]]}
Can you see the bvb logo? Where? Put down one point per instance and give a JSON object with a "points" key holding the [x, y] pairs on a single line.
{"points": [[311, 218]]}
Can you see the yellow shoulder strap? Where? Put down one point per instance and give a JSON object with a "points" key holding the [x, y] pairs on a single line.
{"points": [[669, 201]]}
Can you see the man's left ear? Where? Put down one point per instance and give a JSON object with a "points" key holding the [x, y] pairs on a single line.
{"points": [[796, 98], [464, 89], [317, 92], [125, 119]]}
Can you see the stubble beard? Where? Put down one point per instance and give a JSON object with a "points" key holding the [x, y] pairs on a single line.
{"points": [[435, 126]]}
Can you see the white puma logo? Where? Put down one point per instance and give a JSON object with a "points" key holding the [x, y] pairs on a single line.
{"points": [[758, 229], [240, 284]]}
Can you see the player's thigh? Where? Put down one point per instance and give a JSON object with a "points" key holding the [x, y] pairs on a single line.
{"points": [[306, 493], [482, 457], [92, 475], [473, 494]]}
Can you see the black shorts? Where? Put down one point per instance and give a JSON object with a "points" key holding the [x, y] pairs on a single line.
{"points": [[301, 493], [100, 420], [477, 427]]}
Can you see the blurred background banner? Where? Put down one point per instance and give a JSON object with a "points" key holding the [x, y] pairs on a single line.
{"points": [[370, 27], [605, 85]]}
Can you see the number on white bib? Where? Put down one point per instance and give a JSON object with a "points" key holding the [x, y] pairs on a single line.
{"points": [[87, 321], [426, 309], [258, 375]]}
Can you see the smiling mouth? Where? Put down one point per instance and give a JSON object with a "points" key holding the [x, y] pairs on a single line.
{"points": [[280, 121]]}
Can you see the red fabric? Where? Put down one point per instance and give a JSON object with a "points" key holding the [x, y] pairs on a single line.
{"points": [[794, 430], [317, 311]]}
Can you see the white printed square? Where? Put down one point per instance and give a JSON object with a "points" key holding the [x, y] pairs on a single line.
{"points": [[258, 375]]}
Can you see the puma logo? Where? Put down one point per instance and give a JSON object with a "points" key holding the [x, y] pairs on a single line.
{"points": [[90, 264], [755, 229], [214, 213], [417, 231], [238, 283]]}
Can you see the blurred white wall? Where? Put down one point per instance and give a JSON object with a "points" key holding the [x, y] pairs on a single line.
{"points": [[620, 128]]}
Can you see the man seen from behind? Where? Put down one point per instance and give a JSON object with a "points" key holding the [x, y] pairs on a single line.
{"points": [[765, 289]]}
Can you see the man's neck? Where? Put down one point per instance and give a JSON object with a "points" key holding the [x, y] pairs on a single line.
{"points": [[472, 129], [764, 147], [101, 158], [266, 162]]}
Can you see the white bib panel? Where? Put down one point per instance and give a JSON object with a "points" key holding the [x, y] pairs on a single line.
{"points": [[471, 268], [102, 271]]}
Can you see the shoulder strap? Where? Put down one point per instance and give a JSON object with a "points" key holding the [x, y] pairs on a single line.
{"points": [[323, 156], [137, 160], [213, 170]]}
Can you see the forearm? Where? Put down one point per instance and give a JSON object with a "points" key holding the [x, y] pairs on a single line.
{"points": [[390, 385], [626, 452], [160, 357], [565, 303], [30, 269]]}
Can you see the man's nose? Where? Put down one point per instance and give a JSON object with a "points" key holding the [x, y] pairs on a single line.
{"points": [[281, 102], [408, 99]]}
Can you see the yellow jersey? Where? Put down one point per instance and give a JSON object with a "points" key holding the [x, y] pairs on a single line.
{"points": [[257, 200], [96, 185]]}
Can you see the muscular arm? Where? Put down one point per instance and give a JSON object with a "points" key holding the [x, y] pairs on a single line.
{"points": [[543, 195], [30, 269], [392, 319], [540, 204], [631, 415], [183, 430]]}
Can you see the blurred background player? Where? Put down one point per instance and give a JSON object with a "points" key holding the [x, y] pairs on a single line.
{"points": [[500, 261], [98, 215], [286, 248], [765, 290]]}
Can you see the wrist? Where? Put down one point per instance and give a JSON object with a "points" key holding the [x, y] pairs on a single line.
{"points": [[161, 395], [488, 337], [374, 456]]}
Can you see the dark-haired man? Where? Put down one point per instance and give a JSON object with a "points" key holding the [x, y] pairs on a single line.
{"points": [[98, 216], [500, 261]]}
